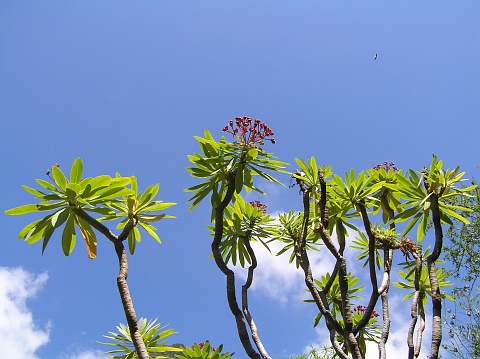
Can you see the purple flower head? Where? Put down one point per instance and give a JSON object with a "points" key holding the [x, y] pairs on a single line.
{"points": [[249, 131], [259, 205], [386, 165]]}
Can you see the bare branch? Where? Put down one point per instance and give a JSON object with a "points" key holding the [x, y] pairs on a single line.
{"points": [[217, 255]]}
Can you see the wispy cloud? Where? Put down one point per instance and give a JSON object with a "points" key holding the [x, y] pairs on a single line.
{"points": [[397, 341], [97, 354], [281, 281], [20, 337]]}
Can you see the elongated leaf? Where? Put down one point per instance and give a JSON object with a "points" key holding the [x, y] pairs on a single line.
{"points": [[59, 217], [23, 233], [145, 218], [26, 208], [33, 191], [59, 177], [157, 206], [89, 236], [453, 214], [76, 171], [46, 185], [422, 227], [239, 179], [150, 230], [46, 238], [412, 223], [149, 193], [69, 236]]}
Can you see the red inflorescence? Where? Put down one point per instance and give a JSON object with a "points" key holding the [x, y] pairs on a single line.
{"points": [[48, 171], [262, 207], [387, 166], [362, 309], [249, 131], [201, 345]]}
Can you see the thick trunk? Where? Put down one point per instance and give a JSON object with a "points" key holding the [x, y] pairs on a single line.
{"points": [[122, 277], [246, 310], [127, 301], [432, 272], [231, 292]]}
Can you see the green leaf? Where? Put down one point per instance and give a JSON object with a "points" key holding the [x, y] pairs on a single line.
{"points": [[454, 214], [46, 185], [133, 237], [59, 217], [68, 235], [72, 191], [150, 193], [59, 177], [46, 238], [157, 206], [33, 191], [89, 236], [26, 208], [253, 153], [239, 179], [150, 230], [412, 223], [76, 171], [24, 232], [39, 230]]}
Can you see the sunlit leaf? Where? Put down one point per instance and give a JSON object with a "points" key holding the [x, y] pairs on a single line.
{"points": [[69, 236], [59, 177], [76, 171]]}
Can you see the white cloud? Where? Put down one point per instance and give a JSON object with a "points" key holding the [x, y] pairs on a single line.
{"points": [[97, 354], [396, 347], [20, 337], [280, 280]]}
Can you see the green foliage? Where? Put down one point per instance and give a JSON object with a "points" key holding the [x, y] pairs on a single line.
{"points": [[416, 191], [204, 351], [289, 230], [223, 161], [361, 243], [463, 323], [463, 252], [139, 207], [152, 334], [104, 195], [334, 295], [424, 283], [314, 353], [243, 222]]}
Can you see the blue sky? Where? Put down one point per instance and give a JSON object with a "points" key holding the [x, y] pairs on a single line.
{"points": [[126, 86]]}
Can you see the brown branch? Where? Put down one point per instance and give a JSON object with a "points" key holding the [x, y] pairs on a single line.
{"points": [[94, 223], [385, 285], [421, 327], [432, 273], [230, 275], [122, 284], [246, 311], [373, 275], [417, 297], [318, 296], [127, 301]]}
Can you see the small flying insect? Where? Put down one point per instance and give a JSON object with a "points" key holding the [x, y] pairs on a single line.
{"points": [[375, 57]]}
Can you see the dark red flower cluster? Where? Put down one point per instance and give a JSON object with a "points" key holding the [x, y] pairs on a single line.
{"points": [[201, 345], [262, 207], [48, 171], [362, 309], [249, 131], [387, 166]]}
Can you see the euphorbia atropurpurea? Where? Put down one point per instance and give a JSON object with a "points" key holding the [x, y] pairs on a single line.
{"points": [[334, 206], [76, 202]]}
